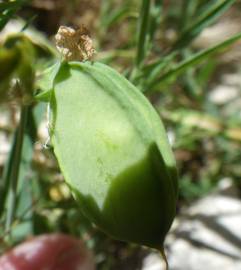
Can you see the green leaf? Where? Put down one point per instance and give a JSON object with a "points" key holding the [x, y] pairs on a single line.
{"points": [[19, 57], [46, 82]]}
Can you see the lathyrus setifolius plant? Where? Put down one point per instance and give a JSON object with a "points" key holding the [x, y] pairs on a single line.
{"points": [[113, 151]]}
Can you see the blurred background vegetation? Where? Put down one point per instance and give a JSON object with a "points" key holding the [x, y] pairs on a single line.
{"points": [[183, 55]]}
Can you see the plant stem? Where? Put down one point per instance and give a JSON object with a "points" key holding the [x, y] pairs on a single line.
{"points": [[142, 38], [13, 166], [143, 31]]}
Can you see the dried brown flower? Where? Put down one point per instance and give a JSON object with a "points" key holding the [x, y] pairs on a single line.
{"points": [[74, 44]]}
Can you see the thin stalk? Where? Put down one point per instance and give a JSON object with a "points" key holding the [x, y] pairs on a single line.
{"points": [[189, 79], [143, 31], [142, 38], [156, 17], [13, 166]]}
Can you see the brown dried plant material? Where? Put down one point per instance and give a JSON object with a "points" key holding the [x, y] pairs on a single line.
{"points": [[74, 45]]}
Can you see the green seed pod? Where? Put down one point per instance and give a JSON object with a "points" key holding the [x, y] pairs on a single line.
{"points": [[113, 151]]}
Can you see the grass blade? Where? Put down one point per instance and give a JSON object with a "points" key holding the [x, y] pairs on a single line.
{"points": [[155, 20], [15, 194], [195, 59], [14, 167], [151, 72], [143, 31], [117, 15], [204, 20]]}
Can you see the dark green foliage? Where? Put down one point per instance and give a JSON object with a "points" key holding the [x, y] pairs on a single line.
{"points": [[8, 10]]}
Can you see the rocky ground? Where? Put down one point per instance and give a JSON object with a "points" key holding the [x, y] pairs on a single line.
{"points": [[206, 235]]}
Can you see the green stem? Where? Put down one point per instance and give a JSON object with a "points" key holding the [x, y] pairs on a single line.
{"points": [[143, 31], [13, 166], [165, 259], [142, 36]]}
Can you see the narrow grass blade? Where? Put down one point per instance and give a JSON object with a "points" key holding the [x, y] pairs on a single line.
{"points": [[117, 16], [152, 71], [195, 59], [13, 170], [204, 20], [143, 31], [155, 20], [16, 193]]}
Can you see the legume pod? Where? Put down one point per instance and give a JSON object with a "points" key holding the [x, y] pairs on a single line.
{"points": [[113, 151]]}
